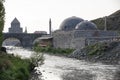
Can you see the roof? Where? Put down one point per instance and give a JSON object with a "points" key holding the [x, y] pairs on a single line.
{"points": [[15, 20], [70, 23], [86, 25], [46, 37]]}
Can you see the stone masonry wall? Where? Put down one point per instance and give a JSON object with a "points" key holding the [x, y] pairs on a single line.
{"points": [[63, 39], [78, 39]]}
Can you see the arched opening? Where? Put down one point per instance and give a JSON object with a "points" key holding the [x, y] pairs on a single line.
{"points": [[36, 41], [11, 42]]}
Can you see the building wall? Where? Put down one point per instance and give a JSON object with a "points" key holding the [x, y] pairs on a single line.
{"points": [[79, 39], [78, 43], [15, 30], [99, 33], [62, 39], [94, 40]]}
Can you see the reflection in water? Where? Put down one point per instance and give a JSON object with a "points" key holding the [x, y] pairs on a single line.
{"points": [[62, 68]]}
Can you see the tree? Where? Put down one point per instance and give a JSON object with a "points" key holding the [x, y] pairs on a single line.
{"points": [[2, 16]]}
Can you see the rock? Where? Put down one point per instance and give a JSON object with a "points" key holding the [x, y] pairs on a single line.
{"points": [[3, 49], [79, 53]]}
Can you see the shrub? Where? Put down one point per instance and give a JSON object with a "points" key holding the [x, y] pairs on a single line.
{"points": [[14, 68], [96, 49], [37, 59]]}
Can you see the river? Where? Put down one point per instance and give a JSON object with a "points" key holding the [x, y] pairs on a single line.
{"points": [[62, 68]]}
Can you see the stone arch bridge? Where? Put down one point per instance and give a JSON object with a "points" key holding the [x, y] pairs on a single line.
{"points": [[26, 39]]}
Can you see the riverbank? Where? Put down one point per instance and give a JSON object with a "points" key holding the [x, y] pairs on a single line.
{"points": [[18, 59], [14, 68], [53, 51]]}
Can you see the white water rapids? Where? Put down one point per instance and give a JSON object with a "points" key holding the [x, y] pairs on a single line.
{"points": [[61, 68]]}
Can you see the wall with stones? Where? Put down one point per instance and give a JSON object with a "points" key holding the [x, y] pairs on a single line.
{"points": [[78, 43], [99, 33], [94, 40], [15, 30], [78, 38], [62, 39]]}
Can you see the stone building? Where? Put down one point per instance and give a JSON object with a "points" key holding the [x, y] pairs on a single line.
{"points": [[75, 33], [15, 27]]}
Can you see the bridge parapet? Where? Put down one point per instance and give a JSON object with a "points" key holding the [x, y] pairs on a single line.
{"points": [[25, 39]]}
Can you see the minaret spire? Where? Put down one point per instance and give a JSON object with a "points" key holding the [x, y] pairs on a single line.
{"points": [[50, 23]]}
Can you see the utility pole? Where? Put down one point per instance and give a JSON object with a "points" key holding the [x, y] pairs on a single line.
{"points": [[105, 24]]}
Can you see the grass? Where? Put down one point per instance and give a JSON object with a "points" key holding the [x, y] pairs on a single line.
{"points": [[96, 49], [52, 50], [14, 68]]}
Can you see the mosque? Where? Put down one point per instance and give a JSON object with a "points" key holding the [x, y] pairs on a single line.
{"points": [[75, 32]]}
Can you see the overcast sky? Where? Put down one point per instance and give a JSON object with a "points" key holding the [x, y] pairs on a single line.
{"points": [[35, 14]]}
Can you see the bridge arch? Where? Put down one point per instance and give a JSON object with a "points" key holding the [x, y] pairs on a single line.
{"points": [[25, 39], [11, 42]]}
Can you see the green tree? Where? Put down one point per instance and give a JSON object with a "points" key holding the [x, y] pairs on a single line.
{"points": [[2, 16]]}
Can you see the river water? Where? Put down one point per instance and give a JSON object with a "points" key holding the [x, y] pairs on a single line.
{"points": [[62, 68]]}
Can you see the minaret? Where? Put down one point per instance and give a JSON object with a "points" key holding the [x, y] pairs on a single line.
{"points": [[25, 29], [50, 23], [105, 24]]}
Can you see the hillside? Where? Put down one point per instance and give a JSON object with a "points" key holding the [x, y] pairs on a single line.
{"points": [[113, 21], [99, 52]]}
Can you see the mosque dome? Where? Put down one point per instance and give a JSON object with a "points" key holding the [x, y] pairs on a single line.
{"points": [[70, 23], [86, 25]]}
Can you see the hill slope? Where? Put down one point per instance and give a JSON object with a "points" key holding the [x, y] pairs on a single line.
{"points": [[113, 21]]}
